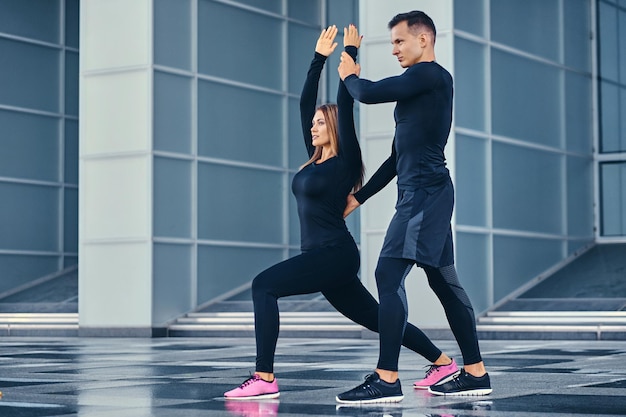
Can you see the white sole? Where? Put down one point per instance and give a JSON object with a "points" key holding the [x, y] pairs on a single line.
{"points": [[472, 393], [395, 399]]}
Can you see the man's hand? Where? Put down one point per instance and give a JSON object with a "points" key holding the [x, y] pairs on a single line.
{"points": [[347, 66], [325, 43], [351, 205], [351, 36]]}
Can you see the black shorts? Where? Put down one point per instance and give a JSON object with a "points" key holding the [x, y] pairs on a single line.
{"points": [[420, 229]]}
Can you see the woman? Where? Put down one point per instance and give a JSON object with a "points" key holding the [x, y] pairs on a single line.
{"points": [[329, 261]]}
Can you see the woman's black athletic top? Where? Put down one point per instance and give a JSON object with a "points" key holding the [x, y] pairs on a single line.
{"points": [[321, 189], [423, 117]]}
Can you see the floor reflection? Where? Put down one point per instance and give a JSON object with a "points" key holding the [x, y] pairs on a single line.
{"points": [[373, 410], [251, 408]]}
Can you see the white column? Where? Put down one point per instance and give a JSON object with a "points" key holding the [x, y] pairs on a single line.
{"points": [[115, 192], [376, 134]]}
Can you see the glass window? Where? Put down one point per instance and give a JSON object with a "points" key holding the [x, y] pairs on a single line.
{"points": [[36, 19], [530, 25], [221, 269], [301, 42], [240, 124], [25, 268], [609, 117], [72, 23], [577, 244], [259, 63], [578, 113], [172, 281], [240, 204], [613, 195], [71, 83], [306, 11], [32, 79], [526, 99], [71, 152], [70, 261], [332, 76], [342, 13], [580, 196], [608, 42], [577, 34], [172, 113], [29, 217], [512, 267], [172, 198], [622, 43], [172, 33], [472, 262], [622, 146], [29, 147], [469, 84], [297, 151], [469, 16], [471, 181], [294, 219], [70, 220], [527, 186], [274, 6]]}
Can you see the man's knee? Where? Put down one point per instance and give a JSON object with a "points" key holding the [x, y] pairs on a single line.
{"points": [[388, 279]]}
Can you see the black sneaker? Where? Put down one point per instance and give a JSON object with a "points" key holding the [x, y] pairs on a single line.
{"points": [[373, 390], [464, 384]]}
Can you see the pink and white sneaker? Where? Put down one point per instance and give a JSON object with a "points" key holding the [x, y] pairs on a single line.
{"points": [[437, 374], [254, 388]]}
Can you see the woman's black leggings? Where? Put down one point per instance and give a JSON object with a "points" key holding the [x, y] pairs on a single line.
{"points": [[333, 271], [390, 276]]}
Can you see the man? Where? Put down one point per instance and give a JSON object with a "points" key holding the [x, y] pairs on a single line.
{"points": [[420, 232]]}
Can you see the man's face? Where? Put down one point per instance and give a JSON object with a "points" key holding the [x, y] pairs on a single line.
{"points": [[407, 47]]}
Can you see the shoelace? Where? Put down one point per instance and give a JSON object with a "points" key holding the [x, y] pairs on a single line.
{"points": [[252, 379], [367, 386], [431, 369]]}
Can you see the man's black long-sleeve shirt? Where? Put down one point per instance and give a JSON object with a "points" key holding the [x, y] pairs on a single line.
{"points": [[423, 116]]}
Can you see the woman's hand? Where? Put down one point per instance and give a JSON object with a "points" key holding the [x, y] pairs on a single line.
{"points": [[351, 205], [326, 43], [351, 36]]}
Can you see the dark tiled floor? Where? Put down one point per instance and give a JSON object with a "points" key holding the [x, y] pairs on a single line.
{"points": [[186, 377]]}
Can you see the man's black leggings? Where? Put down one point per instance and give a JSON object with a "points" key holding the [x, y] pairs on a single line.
{"points": [[333, 271], [390, 276]]}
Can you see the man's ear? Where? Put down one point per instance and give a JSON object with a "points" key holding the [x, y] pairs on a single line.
{"points": [[426, 39], [423, 39]]}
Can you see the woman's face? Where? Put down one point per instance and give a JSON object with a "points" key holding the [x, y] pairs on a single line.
{"points": [[319, 131]]}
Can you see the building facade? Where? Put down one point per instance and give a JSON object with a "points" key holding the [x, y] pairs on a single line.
{"points": [[189, 137]]}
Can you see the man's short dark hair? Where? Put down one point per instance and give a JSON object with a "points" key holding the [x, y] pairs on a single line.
{"points": [[414, 20]]}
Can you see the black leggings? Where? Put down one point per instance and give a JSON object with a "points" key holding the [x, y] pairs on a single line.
{"points": [[390, 276], [333, 271]]}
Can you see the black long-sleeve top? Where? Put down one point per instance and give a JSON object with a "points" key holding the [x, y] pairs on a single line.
{"points": [[423, 116], [321, 189]]}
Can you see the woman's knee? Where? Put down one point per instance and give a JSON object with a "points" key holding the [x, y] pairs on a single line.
{"points": [[261, 283]]}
